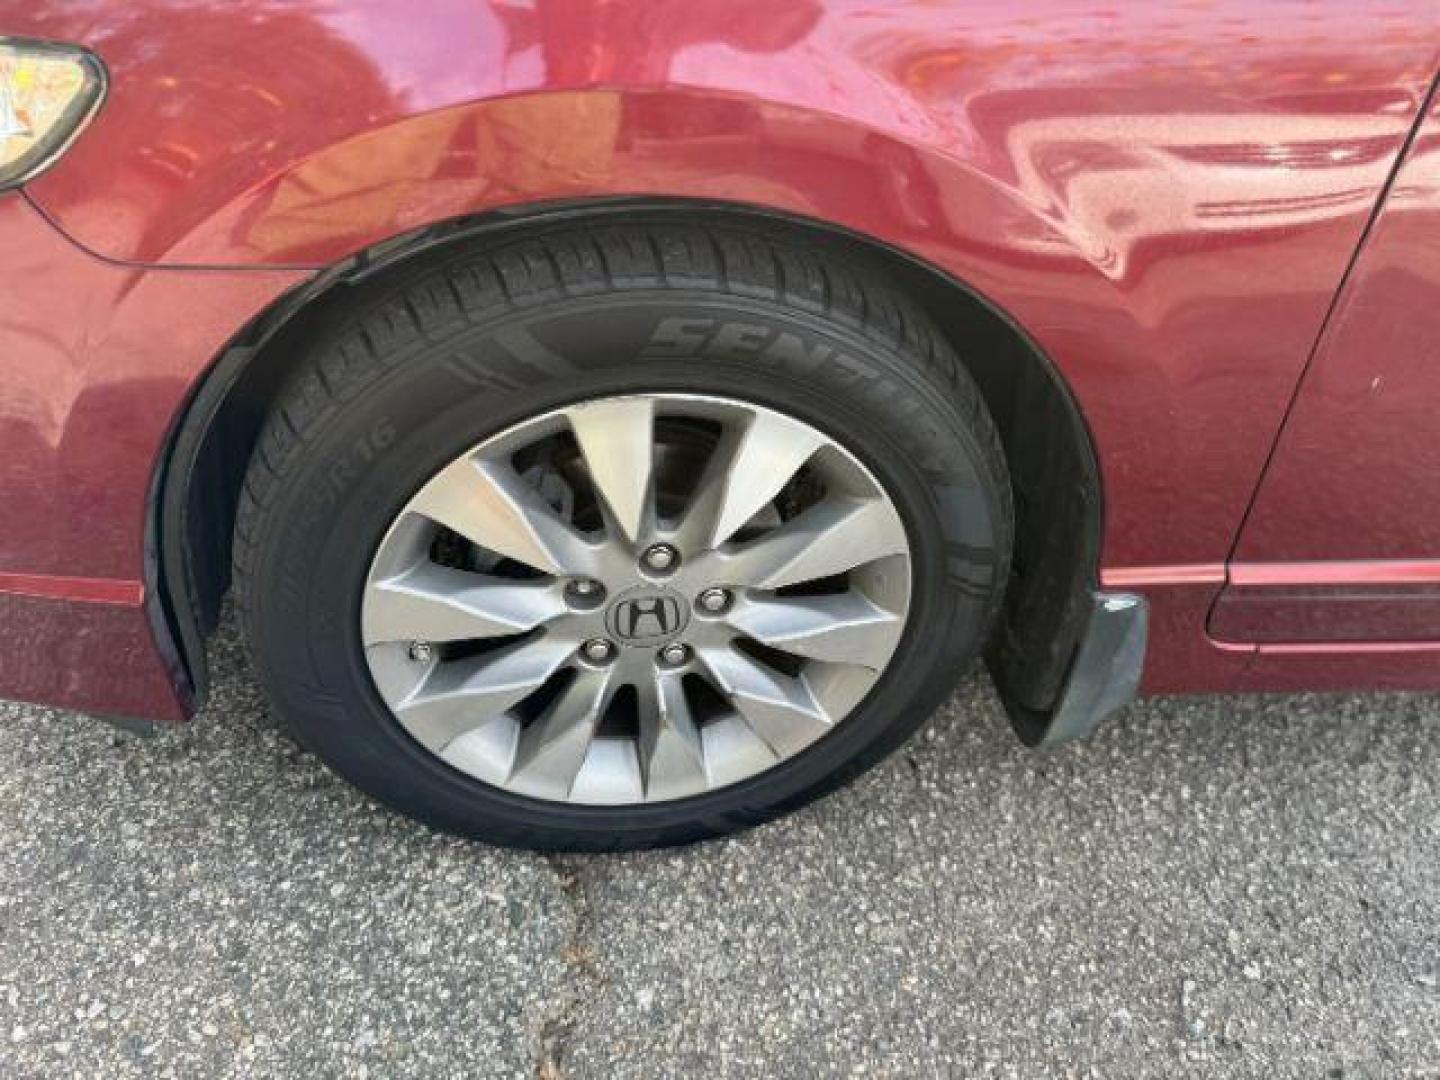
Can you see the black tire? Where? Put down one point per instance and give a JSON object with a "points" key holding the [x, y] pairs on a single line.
{"points": [[415, 370]]}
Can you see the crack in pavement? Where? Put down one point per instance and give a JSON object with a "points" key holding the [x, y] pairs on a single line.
{"points": [[553, 1034]]}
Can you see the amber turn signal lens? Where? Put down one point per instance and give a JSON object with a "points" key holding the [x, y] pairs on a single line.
{"points": [[48, 93]]}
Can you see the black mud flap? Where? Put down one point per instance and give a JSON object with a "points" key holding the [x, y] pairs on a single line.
{"points": [[1104, 674]]}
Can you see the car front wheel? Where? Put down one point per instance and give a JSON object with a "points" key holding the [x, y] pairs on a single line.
{"points": [[619, 536]]}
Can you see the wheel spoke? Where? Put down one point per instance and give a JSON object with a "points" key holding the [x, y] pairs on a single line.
{"points": [[438, 603], [779, 708], [746, 471], [553, 747], [672, 756], [828, 538], [845, 628], [461, 695], [617, 439], [489, 505]]}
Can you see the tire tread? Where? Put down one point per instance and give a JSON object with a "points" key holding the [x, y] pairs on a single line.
{"points": [[438, 298]]}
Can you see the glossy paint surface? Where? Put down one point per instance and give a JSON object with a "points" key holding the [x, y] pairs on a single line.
{"points": [[97, 359], [1164, 196], [1343, 542]]}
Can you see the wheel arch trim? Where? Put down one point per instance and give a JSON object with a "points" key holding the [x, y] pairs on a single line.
{"points": [[190, 542]]}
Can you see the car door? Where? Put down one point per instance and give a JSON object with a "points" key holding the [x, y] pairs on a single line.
{"points": [[1342, 542]]}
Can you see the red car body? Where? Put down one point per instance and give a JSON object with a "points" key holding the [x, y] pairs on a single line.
{"points": [[1218, 220]]}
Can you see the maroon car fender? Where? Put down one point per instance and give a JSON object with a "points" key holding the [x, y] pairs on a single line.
{"points": [[1164, 200]]}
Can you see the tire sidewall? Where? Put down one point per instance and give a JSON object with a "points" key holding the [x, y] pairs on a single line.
{"points": [[435, 399]]}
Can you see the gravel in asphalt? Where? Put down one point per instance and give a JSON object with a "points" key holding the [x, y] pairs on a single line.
{"points": [[1208, 887]]}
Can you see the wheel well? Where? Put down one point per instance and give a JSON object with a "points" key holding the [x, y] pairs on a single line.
{"points": [[1053, 468]]}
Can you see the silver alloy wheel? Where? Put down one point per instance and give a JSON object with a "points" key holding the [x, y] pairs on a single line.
{"points": [[636, 599]]}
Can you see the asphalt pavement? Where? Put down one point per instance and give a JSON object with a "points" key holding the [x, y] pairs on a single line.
{"points": [[1210, 888]]}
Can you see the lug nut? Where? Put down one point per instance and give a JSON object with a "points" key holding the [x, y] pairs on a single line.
{"points": [[421, 652], [584, 592], [714, 600], [598, 650], [660, 557], [675, 654]]}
